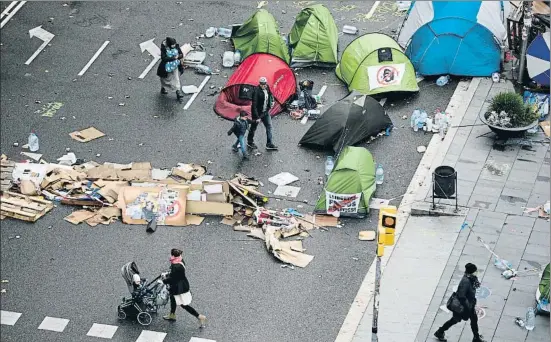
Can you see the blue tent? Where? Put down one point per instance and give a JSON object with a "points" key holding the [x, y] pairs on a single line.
{"points": [[460, 38]]}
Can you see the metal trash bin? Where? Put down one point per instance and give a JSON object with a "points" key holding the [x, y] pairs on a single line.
{"points": [[444, 183]]}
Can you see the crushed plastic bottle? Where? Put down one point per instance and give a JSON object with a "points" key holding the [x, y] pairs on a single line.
{"points": [[422, 119], [348, 29], [443, 80], [210, 32], [530, 322], [379, 175], [33, 142], [224, 32], [227, 59], [502, 264], [414, 117], [237, 57], [329, 164], [203, 69]]}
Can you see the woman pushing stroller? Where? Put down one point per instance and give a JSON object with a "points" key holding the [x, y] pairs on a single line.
{"points": [[179, 288]]}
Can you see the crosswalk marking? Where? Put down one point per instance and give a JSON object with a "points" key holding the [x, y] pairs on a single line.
{"points": [[151, 336], [6, 11], [102, 330], [199, 339], [53, 324], [9, 317]]}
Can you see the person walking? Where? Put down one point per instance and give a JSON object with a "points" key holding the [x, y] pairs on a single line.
{"points": [[466, 294], [239, 128], [262, 102], [171, 67], [179, 288]]}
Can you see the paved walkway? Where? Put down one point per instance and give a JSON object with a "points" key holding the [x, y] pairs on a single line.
{"points": [[428, 260]]}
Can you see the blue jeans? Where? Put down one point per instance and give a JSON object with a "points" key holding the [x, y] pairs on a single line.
{"points": [[267, 121], [241, 141]]}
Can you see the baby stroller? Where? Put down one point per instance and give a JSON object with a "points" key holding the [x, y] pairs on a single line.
{"points": [[145, 297]]}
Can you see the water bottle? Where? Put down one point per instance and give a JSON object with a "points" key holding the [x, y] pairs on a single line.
{"points": [[228, 59], [33, 142], [350, 29], [422, 119], [379, 175], [530, 322], [224, 32], [443, 80], [329, 164], [414, 117], [237, 56], [203, 69]]}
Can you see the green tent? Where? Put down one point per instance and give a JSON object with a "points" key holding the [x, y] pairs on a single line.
{"points": [[260, 33], [374, 63], [351, 184], [314, 38]]}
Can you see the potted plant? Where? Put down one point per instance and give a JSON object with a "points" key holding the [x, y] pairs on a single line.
{"points": [[508, 116]]}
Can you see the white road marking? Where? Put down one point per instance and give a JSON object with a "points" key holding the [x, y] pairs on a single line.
{"points": [[372, 10], [9, 317], [199, 339], [102, 330], [154, 51], [6, 11], [190, 101], [151, 336], [12, 13], [40, 33], [96, 55], [53, 324]]}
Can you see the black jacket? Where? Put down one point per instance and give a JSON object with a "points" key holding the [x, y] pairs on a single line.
{"points": [[177, 280], [466, 293], [239, 127], [161, 72], [258, 102]]}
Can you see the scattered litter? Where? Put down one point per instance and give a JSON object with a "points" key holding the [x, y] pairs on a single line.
{"points": [[227, 59], [283, 178], [210, 32], [87, 134], [421, 149], [15, 144], [442, 80], [122, 104], [287, 191], [23, 207], [366, 235], [98, 155], [68, 159], [33, 156], [403, 6], [378, 203], [348, 29], [519, 322], [355, 259], [190, 89], [261, 4], [288, 266]]}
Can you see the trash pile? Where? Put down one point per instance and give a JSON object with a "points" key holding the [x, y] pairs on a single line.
{"points": [[307, 105], [419, 120]]}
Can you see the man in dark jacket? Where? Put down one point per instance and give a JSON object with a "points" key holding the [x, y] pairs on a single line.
{"points": [[239, 128], [262, 102], [466, 293], [171, 80]]}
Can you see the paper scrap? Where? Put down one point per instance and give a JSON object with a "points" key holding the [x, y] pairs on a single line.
{"points": [[546, 128], [257, 233], [287, 191], [283, 178], [79, 216], [213, 188], [194, 220], [67, 159], [87, 134], [160, 174], [378, 203], [33, 156], [190, 89], [366, 235], [228, 221], [241, 228]]}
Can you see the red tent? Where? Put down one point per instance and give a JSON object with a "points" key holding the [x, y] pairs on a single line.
{"points": [[236, 94]]}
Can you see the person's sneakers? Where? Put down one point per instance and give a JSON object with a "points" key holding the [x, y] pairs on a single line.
{"points": [[180, 96], [245, 157], [234, 148], [252, 145], [170, 317], [440, 335], [271, 147], [164, 91], [202, 321], [479, 338]]}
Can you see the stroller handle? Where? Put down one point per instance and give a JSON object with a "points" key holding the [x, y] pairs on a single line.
{"points": [[154, 280]]}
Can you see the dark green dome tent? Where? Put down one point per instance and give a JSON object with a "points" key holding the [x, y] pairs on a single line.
{"points": [[374, 63], [314, 38], [260, 33], [351, 184]]}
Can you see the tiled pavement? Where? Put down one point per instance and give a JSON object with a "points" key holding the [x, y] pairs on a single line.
{"points": [[430, 255]]}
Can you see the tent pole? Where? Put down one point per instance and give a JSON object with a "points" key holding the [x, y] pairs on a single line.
{"points": [[527, 23]]}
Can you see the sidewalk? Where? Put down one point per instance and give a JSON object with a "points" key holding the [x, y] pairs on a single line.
{"points": [[429, 257]]}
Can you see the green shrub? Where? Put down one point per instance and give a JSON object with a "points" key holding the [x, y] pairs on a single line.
{"points": [[511, 103]]}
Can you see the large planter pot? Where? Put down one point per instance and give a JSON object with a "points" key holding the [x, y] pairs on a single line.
{"points": [[506, 133]]}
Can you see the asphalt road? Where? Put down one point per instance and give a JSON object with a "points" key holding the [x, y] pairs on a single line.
{"points": [[60, 270]]}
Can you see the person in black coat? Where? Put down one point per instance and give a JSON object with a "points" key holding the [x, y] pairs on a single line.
{"points": [[178, 286], [239, 128], [262, 102], [171, 80], [466, 293]]}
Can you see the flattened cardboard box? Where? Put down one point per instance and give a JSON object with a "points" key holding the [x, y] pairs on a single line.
{"points": [[165, 204]]}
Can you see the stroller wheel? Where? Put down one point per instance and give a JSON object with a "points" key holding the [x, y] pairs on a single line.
{"points": [[144, 318], [121, 314]]}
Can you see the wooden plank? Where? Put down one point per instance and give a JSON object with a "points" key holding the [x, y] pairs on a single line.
{"points": [[22, 203], [34, 199], [8, 210]]}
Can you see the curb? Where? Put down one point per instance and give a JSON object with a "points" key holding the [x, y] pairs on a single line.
{"points": [[420, 183]]}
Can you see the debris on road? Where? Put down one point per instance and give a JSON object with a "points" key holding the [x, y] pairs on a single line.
{"points": [[421, 149], [287, 191], [366, 235], [22, 207], [283, 178], [87, 134]]}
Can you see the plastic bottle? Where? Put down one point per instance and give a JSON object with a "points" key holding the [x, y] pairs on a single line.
{"points": [[530, 321], [422, 119], [428, 126], [443, 80], [33, 142], [203, 69], [237, 57], [329, 164], [224, 32], [227, 59], [379, 175], [350, 29], [414, 117]]}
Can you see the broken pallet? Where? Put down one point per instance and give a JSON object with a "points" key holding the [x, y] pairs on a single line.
{"points": [[6, 178], [23, 207]]}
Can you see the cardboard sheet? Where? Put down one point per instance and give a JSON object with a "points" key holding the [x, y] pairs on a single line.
{"points": [[194, 220], [326, 221], [79, 216], [165, 204], [287, 191], [366, 235], [228, 221], [241, 228], [283, 178], [87, 134], [546, 128]]}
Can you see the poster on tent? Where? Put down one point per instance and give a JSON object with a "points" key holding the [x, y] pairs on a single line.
{"points": [[386, 75], [342, 203]]}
